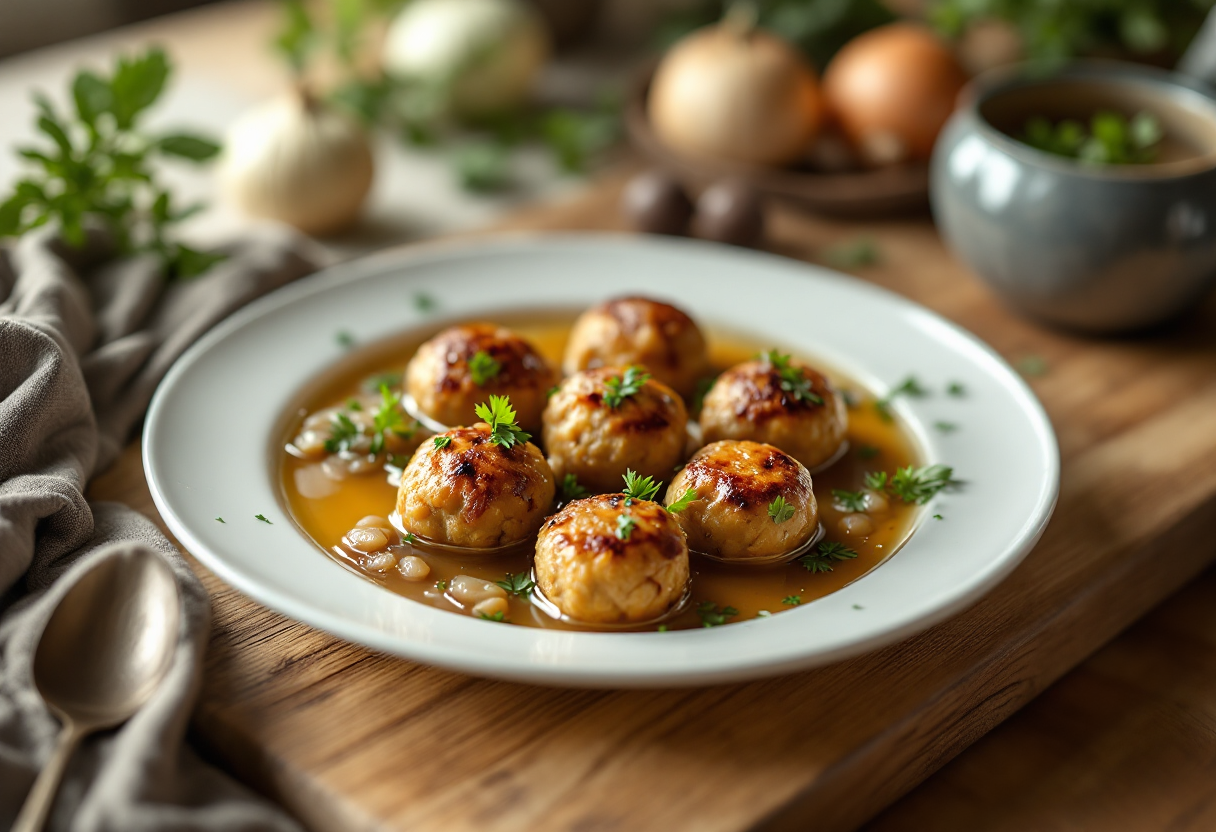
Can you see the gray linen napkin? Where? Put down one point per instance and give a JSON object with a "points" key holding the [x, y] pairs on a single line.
{"points": [[79, 360]]}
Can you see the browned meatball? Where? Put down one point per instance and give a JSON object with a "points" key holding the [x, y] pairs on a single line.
{"points": [[593, 435], [612, 560], [625, 331], [474, 493], [786, 404], [736, 514], [460, 367]]}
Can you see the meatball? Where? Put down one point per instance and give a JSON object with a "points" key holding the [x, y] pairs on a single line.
{"points": [[781, 402], [612, 560], [625, 331], [474, 493], [597, 436], [460, 367], [736, 514]]}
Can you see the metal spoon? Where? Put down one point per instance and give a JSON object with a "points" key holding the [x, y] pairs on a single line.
{"points": [[103, 652]]}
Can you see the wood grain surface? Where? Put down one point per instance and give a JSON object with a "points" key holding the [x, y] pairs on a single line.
{"points": [[349, 739]]}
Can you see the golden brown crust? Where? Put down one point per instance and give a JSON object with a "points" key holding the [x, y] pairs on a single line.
{"points": [[645, 433], [439, 379], [594, 575], [475, 493], [637, 330], [735, 482], [748, 402]]}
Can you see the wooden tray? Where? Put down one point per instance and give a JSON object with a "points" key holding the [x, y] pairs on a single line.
{"points": [[351, 740], [863, 194]]}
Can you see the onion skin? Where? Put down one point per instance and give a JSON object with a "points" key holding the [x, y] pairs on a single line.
{"points": [[892, 89], [744, 97]]}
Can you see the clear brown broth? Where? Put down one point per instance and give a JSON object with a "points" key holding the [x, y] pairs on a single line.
{"points": [[750, 590]]}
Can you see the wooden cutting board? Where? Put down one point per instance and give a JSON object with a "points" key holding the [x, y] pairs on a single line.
{"points": [[349, 739]]}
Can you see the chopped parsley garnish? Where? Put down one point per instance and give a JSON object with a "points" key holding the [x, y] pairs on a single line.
{"points": [[344, 339], [342, 434], [858, 607], [442, 442], [910, 387], [662, 628], [388, 418], [876, 480], [483, 367], [849, 500], [779, 510], [500, 416], [792, 600], [826, 554], [517, 584], [946, 427], [442, 586], [494, 616], [867, 452], [353, 404], [619, 388], [639, 487], [918, 485], [410, 537], [424, 302], [712, 616], [262, 517], [624, 526], [956, 389], [1032, 365], [690, 497], [938, 517], [220, 520], [792, 379], [571, 489]]}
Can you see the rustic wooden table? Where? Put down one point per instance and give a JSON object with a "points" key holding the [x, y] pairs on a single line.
{"points": [[349, 739]]}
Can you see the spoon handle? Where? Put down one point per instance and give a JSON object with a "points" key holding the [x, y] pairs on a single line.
{"points": [[41, 798]]}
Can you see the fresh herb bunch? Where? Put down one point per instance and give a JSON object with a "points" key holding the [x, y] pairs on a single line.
{"points": [[389, 418], [1112, 138], [98, 168], [714, 616], [826, 555], [780, 510], [619, 388], [500, 416], [638, 487], [686, 499], [792, 379], [519, 585], [913, 485]]}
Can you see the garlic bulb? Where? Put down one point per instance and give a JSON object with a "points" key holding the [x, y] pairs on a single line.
{"points": [[484, 54], [300, 161], [735, 93]]}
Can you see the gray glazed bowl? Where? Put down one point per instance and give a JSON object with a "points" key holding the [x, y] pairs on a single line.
{"points": [[1103, 249]]}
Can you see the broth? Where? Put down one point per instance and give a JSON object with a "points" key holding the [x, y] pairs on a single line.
{"points": [[875, 444]]}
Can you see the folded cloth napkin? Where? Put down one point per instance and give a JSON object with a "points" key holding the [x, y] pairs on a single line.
{"points": [[84, 340]]}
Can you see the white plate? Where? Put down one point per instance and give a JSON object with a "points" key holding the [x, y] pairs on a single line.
{"points": [[211, 439]]}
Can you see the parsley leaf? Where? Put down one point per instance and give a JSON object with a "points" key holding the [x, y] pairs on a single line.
{"points": [[792, 379], [876, 480], [344, 339], [500, 416], [442, 441], [424, 302], [483, 367], [867, 452], [389, 417], [792, 600], [571, 489], [945, 427], [779, 510], [619, 388], [373, 384], [849, 500], [517, 584], [343, 433], [220, 520], [494, 616], [825, 555], [919, 485], [689, 497], [713, 616], [262, 517], [625, 525], [639, 487], [909, 387], [956, 389]]}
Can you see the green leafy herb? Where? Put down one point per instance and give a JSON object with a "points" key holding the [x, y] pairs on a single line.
{"points": [[388, 418], [858, 607], [956, 389], [779, 510], [1032, 366], [500, 416], [262, 517], [575, 136], [867, 452], [854, 254], [483, 367], [1111, 139], [374, 383], [98, 167], [619, 388], [554, 390], [517, 584], [919, 485], [909, 387], [876, 480], [625, 525], [945, 427], [494, 616], [344, 339], [353, 404], [824, 557], [849, 500], [689, 497], [792, 600], [713, 616], [424, 302], [571, 489], [442, 442], [220, 520], [442, 586], [938, 517], [410, 538], [639, 487], [662, 628], [792, 379], [343, 433], [483, 167]]}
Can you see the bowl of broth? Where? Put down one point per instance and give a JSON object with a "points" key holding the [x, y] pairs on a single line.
{"points": [[1096, 240]]}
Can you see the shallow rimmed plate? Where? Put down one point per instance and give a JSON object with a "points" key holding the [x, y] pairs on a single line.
{"points": [[211, 437]]}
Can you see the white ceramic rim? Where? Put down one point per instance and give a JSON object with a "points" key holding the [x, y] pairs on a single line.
{"points": [[212, 430]]}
